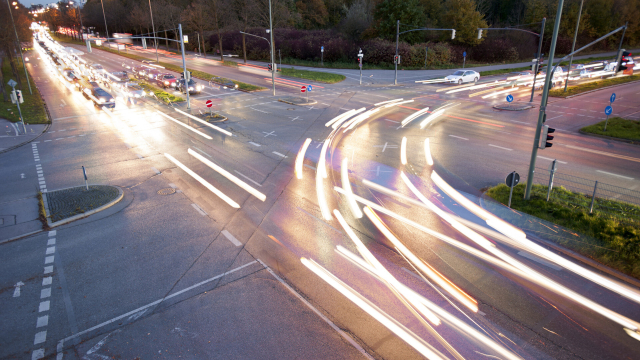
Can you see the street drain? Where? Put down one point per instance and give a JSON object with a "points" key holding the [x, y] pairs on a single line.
{"points": [[290, 109], [167, 191]]}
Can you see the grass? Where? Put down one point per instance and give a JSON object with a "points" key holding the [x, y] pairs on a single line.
{"points": [[33, 107], [42, 213], [609, 241], [64, 38], [313, 75], [578, 89], [617, 127], [160, 94]]}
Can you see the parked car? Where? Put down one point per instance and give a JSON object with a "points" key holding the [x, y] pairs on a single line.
{"points": [[223, 83], [166, 81], [462, 76], [194, 87]]}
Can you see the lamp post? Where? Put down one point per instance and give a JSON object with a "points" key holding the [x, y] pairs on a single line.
{"points": [[573, 47], [105, 21], [273, 70], [155, 40], [20, 47], [81, 26], [273, 81]]}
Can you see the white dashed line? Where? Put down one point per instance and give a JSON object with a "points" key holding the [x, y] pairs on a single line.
{"points": [[277, 153], [246, 177], [612, 174], [458, 137], [550, 159], [500, 147], [254, 144], [231, 238], [199, 209]]}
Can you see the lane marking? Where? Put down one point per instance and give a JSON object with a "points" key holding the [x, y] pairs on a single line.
{"points": [[254, 144], [246, 177], [44, 306], [459, 137], [550, 159], [202, 151], [157, 302], [277, 153], [555, 117], [199, 209], [612, 174], [603, 153], [500, 147], [155, 170], [42, 321], [231, 238], [344, 335]]}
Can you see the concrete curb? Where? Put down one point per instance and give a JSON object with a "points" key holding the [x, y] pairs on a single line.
{"points": [[26, 142], [609, 137], [297, 101], [590, 91], [514, 107], [83, 215], [583, 259], [20, 237]]}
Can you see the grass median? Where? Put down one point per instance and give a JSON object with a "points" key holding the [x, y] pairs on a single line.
{"points": [[609, 241], [317, 76], [617, 127], [160, 94], [594, 85], [33, 107]]}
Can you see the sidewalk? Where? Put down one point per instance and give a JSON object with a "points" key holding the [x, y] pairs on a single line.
{"points": [[11, 136]]}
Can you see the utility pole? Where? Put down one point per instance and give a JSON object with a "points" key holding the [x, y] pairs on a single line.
{"points": [[273, 70], [542, 116], [626, 25], [20, 47], [533, 85], [573, 47], [395, 79], [105, 21], [153, 27], [184, 66]]}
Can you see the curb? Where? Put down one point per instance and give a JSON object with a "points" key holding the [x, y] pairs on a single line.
{"points": [[521, 108], [2, 242], [26, 142], [583, 259], [590, 91], [83, 215], [292, 101], [634, 142]]}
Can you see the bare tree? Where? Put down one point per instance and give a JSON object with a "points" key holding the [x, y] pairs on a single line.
{"points": [[244, 16], [197, 19], [218, 11]]}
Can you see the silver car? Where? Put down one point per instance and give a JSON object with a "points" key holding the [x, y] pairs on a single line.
{"points": [[462, 76]]}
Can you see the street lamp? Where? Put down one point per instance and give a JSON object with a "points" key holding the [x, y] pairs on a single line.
{"points": [[573, 47], [105, 21], [20, 47], [273, 76], [155, 39]]}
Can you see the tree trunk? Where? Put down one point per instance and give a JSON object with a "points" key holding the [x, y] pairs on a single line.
{"points": [[204, 49], [244, 48], [4, 91], [166, 37]]}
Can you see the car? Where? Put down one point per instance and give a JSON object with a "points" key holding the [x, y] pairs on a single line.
{"points": [[99, 96], [132, 90], [194, 87], [166, 80], [152, 74], [462, 76], [139, 72], [71, 77], [97, 69], [223, 83]]}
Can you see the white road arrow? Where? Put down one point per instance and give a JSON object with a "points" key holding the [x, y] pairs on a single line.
{"points": [[22, 176], [16, 292]]}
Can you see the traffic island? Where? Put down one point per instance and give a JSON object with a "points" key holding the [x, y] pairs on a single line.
{"points": [[513, 106], [67, 205], [213, 117], [295, 100]]}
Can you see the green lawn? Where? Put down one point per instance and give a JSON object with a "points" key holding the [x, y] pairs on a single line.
{"points": [[318, 76], [63, 38], [616, 127], [32, 108], [160, 94], [578, 89], [610, 241]]}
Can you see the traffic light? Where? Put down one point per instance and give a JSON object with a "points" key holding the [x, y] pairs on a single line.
{"points": [[453, 35], [479, 34], [359, 59], [621, 60], [396, 59], [269, 67], [545, 137], [19, 96]]}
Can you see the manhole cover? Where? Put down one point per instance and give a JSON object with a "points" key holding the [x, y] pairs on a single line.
{"points": [[167, 191], [290, 109]]}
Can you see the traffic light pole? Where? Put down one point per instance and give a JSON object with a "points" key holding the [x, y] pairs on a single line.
{"points": [[533, 85], [543, 103], [573, 47], [184, 66], [272, 46], [395, 59], [615, 72]]}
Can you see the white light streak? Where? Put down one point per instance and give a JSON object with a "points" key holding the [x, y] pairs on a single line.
{"points": [[414, 116], [346, 185], [431, 117], [403, 151], [500, 92], [427, 152], [204, 122], [185, 125], [300, 157], [387, 102]]}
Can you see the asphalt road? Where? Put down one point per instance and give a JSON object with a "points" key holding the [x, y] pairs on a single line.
{"points": [[187, 275]]}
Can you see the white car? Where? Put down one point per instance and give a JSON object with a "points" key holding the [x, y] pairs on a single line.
{"points": [[462, 76]]}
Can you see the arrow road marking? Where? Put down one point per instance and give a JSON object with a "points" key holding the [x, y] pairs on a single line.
{"points": [[16, 292]]}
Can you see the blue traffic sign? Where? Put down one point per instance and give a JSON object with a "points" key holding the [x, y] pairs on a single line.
{"points": [[464, 54], [309, 88], [608, 110], [613, 97], [322, 48], [509, 98]]}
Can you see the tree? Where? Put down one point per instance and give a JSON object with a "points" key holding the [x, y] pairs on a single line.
{"points": [[463, 16], [243, 10], [358, 18], [313, 13], [409, 12], [196, 18], [218, 12]]}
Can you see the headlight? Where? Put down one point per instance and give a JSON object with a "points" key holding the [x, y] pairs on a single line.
{"points": [[137, 95], [236, 86], [173, 84], [101, 101], [166, 83], [191, 88]]}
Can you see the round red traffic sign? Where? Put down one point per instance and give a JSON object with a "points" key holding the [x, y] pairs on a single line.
{"points": [[303, 88], [209, 103]]}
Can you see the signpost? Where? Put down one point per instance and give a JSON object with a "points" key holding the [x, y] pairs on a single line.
{"points": [[509, 98], [607, 111], [360, 55], [322, 55], [308, 91], [209, 104], [612, 98], [512, 180], [552, 171], [84, 172], [464, 60]]}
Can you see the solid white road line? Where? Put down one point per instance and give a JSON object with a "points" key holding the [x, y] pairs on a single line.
{"points": [[344, 335], [231, 238], [603, 153], [612, 174], [500, 147], [458, 137], [246, 177], [550, 159], [157, 302]]}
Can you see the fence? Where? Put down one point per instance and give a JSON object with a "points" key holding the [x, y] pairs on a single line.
{"points": [[618, 202]]}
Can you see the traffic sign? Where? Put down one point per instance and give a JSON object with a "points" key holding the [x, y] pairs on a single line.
{"points": [[303, 88], [509, 98], [510, 178], [309, 88], [613, 98], [322, 48], [608, 110], [464, 54], [209, 103], [12, 83]]}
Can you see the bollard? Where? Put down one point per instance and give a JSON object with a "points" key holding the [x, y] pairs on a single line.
{"points": [[513, 180], [593, 198], [551, 175], [84, 172]]}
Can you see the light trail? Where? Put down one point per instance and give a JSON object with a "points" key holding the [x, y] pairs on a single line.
{"points": [[427, 152], [501, 92], [387, 102], [390, 323], [413, 116], [204, 122], [339, 122], [228, 175], [403, 151], [204, 182], [434, 115], [185, 125], [322, 162], [397, 103], [300, 157], [346, 185], [322, 201]]}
